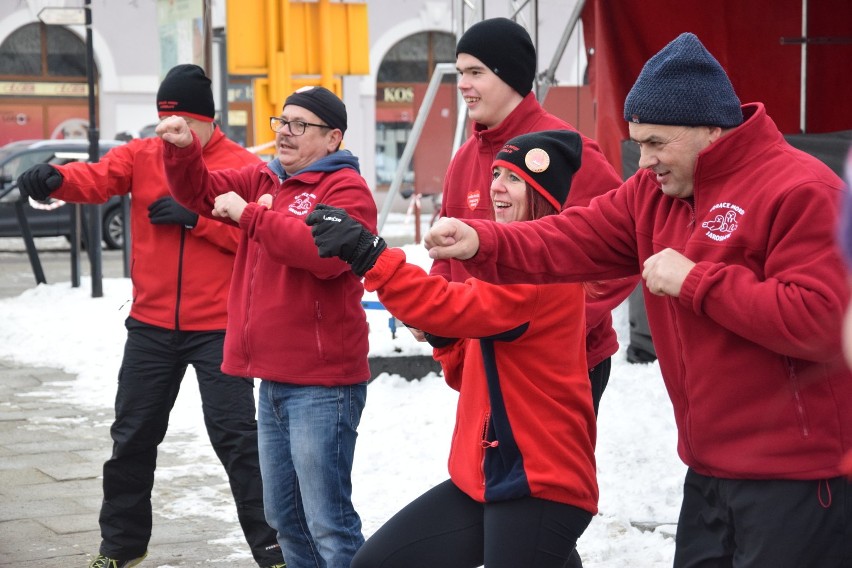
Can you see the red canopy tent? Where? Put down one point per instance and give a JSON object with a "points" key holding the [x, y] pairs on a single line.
{"points": [[759, 44]]}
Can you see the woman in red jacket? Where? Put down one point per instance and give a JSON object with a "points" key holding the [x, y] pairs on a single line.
{"points": [[522, 485]]}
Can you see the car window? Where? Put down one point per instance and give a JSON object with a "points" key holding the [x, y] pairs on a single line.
{"points": [[19, 164], [17, 157]]}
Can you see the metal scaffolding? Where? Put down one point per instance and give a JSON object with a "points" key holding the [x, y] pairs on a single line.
{"points": [[465, 14]]}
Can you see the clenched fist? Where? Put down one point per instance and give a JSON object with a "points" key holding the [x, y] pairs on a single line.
{"points": [[337, 234], [174, 130]]}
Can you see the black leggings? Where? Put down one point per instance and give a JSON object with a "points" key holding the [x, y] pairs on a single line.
{"points": [[446, 528]]}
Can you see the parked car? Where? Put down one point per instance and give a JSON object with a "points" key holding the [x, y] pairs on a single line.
{"points": [[16, 157]]}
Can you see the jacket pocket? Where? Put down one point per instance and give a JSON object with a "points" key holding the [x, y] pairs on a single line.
{"points": [[485, 444], [798, 400], [318, 331]]}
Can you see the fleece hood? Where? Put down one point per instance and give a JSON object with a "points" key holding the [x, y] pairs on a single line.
{"points": [[331, 163]]}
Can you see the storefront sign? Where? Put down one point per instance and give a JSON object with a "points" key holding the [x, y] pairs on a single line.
{"points": [[33, 89], [397, 95]]}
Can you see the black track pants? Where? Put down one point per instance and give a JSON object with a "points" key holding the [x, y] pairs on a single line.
{"points": [[155, 360], [599, 377], [736, 523]]}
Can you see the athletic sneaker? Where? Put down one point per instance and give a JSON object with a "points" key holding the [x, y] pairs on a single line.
{"points": [[284, 565], [105, 562]]}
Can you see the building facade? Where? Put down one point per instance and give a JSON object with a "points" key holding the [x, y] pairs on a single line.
{"points": [[43, 88]]}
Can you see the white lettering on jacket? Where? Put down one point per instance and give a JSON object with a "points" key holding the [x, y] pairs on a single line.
{"points": [[724, 223]]}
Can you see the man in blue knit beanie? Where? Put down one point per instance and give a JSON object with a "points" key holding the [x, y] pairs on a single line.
{"points": [[683, 85], [734, 233]]}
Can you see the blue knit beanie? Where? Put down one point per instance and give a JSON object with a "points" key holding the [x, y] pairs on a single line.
{"points": [[683, 85]]}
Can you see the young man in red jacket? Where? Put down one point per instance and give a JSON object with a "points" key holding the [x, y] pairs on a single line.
{"points": [[181, 271], [496, 63], [734, 233]]}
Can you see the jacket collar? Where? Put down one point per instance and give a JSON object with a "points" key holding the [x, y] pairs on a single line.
{"points": [[517, 121]]}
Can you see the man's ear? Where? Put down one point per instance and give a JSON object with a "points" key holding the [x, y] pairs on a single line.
{"points": [[335, 137], [716, 132]]}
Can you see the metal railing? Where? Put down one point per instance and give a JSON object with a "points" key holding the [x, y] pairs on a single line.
{"points": [[441, 69]]}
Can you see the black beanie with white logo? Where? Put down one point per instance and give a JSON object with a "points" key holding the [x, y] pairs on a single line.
{"points": [[546, 160], [505, 48], [185, 91]]}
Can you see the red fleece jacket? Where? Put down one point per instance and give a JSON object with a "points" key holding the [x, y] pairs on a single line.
{"points": [[180, 276], [292, 316], [525, 423], [750, 351]]}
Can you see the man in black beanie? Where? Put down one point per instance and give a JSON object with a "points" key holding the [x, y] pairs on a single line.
{"points": [[181, 273], [295, 320], [733, 231]]}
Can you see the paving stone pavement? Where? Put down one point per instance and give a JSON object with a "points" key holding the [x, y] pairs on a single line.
{"points": [[51, 456]]}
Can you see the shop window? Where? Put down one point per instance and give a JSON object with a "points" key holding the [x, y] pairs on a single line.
{"points": [[48, 97], [20, 54], [413, 59], [407, 65], [66, 53]]}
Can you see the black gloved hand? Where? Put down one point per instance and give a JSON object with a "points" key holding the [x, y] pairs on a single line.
{"points": [[167, 211], [437, 341], [337, 234], [40, 181]]}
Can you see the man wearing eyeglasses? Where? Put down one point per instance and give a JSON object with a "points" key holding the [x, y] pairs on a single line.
{"points": [[181, 273], [295, 319]]}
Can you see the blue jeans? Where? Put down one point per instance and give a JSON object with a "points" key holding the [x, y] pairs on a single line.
{"points": [[306, 438]]}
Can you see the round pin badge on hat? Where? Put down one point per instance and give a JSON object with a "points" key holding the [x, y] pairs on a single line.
{"points": [[537, 160]]}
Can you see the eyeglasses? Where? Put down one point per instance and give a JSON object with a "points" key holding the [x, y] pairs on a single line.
{"points": [[297, 127]]}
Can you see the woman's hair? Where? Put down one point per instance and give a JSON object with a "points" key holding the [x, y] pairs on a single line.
{"points": [[537, 205]]}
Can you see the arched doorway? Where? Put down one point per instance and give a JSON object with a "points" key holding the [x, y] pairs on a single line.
{"points": [[43, 88], [401, 83]]}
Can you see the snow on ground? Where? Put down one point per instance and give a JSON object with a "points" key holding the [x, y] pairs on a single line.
{"points": [[404, 434]]}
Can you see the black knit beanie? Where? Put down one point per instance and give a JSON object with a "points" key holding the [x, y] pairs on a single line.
{"points": [[683, 85], [504, 47], [322, 103], [185, 91], [546, 160]]}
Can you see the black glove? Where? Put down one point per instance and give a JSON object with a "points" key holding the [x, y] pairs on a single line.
{"points": [[437, 341], [40, 181], [337, 234], [167, 211]]}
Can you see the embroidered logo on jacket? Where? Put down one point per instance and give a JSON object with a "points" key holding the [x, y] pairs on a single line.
{"points": [[473, 199], [724, 223], [302, 204]]}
